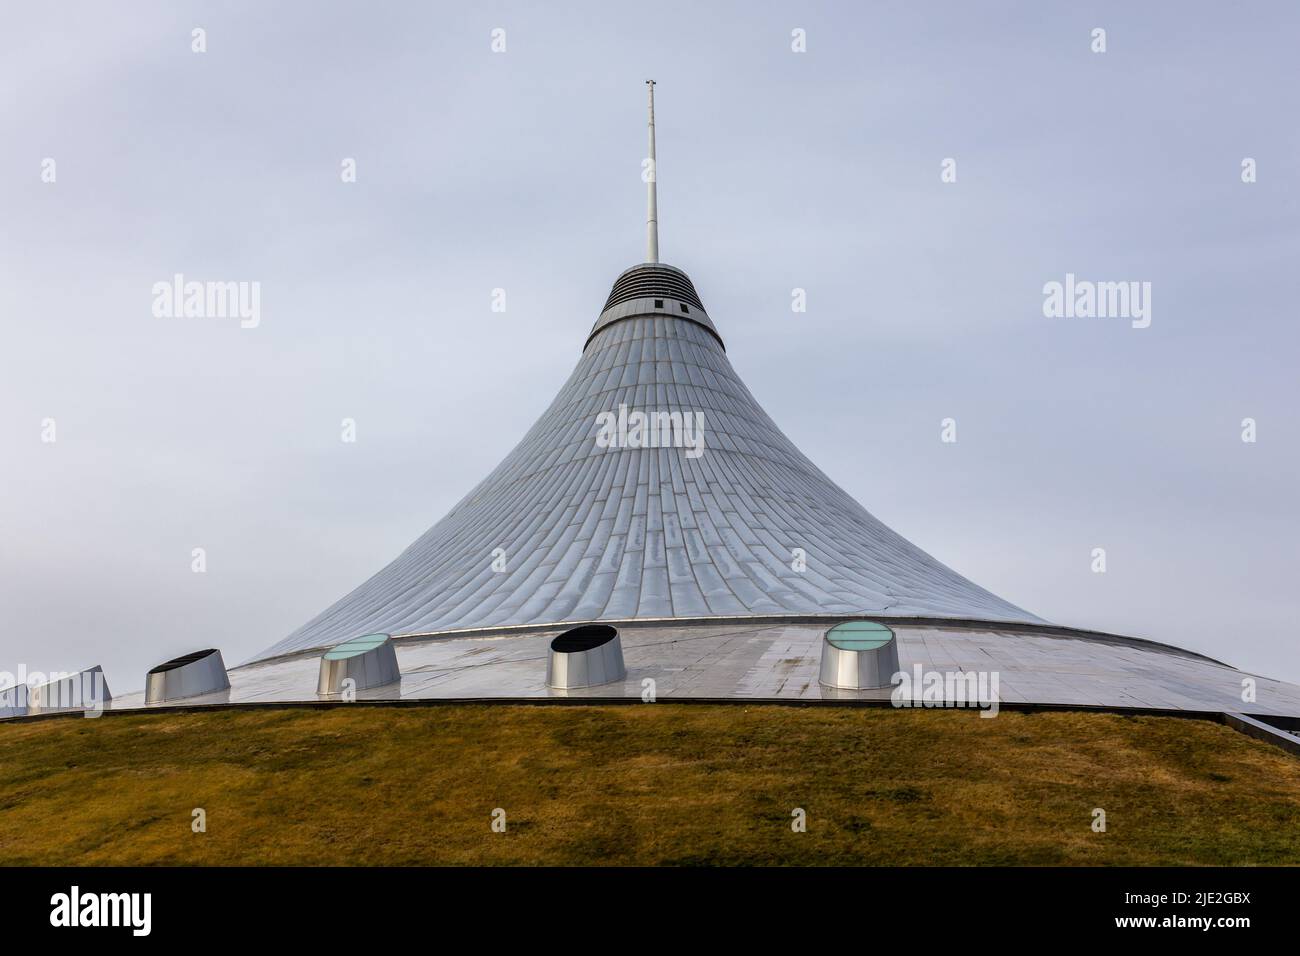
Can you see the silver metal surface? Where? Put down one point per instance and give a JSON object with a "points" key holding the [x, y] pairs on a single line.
{"points": [[14, 700], [664, 304], [585, 666], [84, 690], [652, 200], [367, 662], [609, 534], [193, 675], [1261, 731], [867, 668], [711, 558], [567, 530], [723, 563], [748, 661]]}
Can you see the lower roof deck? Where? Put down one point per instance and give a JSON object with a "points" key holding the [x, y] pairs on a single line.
{"points": [[780, 661]]}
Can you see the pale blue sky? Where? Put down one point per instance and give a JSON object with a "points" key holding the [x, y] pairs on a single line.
{"points": [[777, 170]]}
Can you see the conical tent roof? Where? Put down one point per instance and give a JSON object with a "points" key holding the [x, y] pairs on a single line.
{"points": [[570, 527]]}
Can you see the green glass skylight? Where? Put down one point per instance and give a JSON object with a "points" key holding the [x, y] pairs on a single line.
{"points": [[355, 646], [859, 635]]}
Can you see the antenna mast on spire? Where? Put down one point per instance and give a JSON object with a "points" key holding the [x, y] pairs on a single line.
{"points": [[652, 201]]}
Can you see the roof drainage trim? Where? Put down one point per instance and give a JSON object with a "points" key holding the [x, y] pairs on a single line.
{"points": [[1214, 716]]}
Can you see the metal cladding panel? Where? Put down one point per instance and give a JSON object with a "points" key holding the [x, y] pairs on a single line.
{"points": [[593, 533]]}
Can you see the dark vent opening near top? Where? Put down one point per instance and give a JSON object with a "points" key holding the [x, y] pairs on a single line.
{"points": [[653, 281], [583, 638], [182, 661]]}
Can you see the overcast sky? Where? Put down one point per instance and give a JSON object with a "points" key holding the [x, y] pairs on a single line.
{"points": [[520, 170]]}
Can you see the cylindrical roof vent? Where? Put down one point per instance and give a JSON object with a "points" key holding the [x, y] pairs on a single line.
{"points": [[84, 690], [369, 661], [584, 657], [191, 675], [859, 655], [14, 700]]}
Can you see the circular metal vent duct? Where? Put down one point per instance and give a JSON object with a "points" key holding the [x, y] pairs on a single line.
{"points": [[191, 675], [370, 661], [859, 655], [584, 657]]}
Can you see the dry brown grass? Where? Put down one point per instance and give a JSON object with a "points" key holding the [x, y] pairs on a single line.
{"points": [[642, 784]]}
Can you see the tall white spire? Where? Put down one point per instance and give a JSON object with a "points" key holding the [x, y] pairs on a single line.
{"points": [[652, 201]]}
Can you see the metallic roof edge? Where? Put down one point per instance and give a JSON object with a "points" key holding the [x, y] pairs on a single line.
{"points": [[643, 308], [1044, 630], [1216, 716]]}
